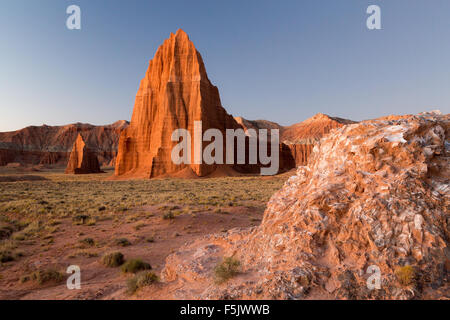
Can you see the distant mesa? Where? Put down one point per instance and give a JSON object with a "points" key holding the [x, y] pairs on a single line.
{"points": [[51, 145], [82, 160], [298, 140]]}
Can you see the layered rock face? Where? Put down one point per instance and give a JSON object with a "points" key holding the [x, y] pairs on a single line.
{"points": [[174, 93], [302, 137], [374, 197], [298, 140], [82, 160], [258, 124], [51, 145]]}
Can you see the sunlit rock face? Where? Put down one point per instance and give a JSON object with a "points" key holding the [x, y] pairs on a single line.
{"points": [[174, 93], [82, 160]]}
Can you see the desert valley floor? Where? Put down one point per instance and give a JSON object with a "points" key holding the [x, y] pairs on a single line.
{"points": [[50, 221]]}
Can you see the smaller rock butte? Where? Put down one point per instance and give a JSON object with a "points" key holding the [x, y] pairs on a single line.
{"points": [[82, 160]]}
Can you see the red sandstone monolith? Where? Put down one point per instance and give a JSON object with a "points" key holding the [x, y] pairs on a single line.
{"points": [[82, 160]]}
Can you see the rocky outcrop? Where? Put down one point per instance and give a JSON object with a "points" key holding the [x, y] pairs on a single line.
{"points": [[302, 137], [174, 93], [82, 160], [51, 145], [373, 200]]}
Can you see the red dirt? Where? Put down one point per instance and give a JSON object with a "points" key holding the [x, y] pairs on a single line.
{"points": [[100, 282]]}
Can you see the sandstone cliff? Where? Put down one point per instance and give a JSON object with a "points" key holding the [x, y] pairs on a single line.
{"points": [[82, 160], [374, 196], [51, 145], [174, 93]]}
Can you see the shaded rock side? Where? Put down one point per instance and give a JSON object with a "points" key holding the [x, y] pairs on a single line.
{"points": [[82, 160], [297, 141]]}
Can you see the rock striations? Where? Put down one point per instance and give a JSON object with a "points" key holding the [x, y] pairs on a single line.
{"points": [[174, 93], [301, 137], [51, 145], [82, 160], [374, 197]]}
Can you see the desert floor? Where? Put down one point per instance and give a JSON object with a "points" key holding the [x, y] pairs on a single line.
{"points": [[49, 221]]}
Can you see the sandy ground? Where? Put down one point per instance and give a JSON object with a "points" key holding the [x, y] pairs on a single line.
{"points": [[100, 282]]}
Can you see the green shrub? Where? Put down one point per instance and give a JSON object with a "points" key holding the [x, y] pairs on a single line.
{"points": [[123, 242], [113, 259], [135, 265], [226, 269], [142, 279]]}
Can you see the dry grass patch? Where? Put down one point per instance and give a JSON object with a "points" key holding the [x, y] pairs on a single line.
{"points": [[113, 259], [44, 276], [135, 265], [405, 275], [70, 196], [142, 279], [227, 269]]}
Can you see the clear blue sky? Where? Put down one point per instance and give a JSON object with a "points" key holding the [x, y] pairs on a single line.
{"points": [[278, 60]]}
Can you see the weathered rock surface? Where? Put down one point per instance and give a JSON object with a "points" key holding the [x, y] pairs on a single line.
{"points": [[82, 160], [51, 145], [373, 194]]}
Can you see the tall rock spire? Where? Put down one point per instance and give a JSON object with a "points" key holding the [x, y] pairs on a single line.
{"points": [[174, 93]]}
